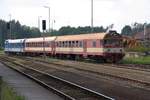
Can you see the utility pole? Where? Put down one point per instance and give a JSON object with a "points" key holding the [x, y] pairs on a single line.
{"points": [[92, 15], [53, 23], [44, 28], [144, 30], [10, 27], [48, 16], [39, 21]]}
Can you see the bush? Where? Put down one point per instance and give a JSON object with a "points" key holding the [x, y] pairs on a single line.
{"points": [[138, 49], [139, 60]]}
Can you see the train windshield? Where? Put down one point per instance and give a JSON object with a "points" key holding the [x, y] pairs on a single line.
{"points": [[113, 42]]}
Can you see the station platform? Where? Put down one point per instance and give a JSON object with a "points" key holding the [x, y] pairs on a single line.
{"points": [[24, 86]]}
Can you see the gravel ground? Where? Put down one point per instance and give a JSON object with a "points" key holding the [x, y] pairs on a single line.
{"points": [[112, 87]]}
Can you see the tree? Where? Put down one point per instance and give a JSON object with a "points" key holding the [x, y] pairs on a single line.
{"points": [[127, 30]]}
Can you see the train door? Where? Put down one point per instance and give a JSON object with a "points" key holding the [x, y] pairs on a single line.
{"points": [[85, 48], [53, 48]]}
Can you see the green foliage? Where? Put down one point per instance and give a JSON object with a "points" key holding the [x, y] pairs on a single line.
{"points": [[8, 93], [127, 30], [135, 28], [138, 49], [138, 60], [79, 30], [17, 31]]}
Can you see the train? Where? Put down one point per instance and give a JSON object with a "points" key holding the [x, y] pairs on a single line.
{"points": [[97, 46]]}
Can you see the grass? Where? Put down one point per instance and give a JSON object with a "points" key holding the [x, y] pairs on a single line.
{"points": [[138, 60], [1, 51], [8, 93], [139, 48]]}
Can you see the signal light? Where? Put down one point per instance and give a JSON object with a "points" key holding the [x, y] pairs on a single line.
{"points": [[44, 24], [8, 25]]}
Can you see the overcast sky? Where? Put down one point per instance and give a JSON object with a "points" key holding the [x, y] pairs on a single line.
{"points": [[77, 12]]}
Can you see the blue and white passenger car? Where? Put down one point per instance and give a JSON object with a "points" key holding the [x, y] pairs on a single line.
{"points": [[14, 46]]}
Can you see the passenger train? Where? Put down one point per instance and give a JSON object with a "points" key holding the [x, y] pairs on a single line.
{"points": [[97, 46]]}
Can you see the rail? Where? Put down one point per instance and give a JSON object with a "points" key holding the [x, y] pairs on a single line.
{"points": [[66, 89]]}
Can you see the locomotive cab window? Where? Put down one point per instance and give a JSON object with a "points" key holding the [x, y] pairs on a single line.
{"points": [[112, 42]]}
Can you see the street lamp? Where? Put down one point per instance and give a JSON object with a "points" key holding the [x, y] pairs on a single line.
{"points": [[145, 29], [53, 22], [92, 15], [10, 26], [49, 15], [39, 22]]}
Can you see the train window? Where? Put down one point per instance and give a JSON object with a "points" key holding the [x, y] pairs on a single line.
{"points": [[73, 44], [33, 44], [94, 44], [30, 44], [27, 44], [80, 44], [37, 44], [66, 43], [101, 42], [69, 44], [59, 44], [41, 44], [47, 44], [76, 43], [63, 43]]}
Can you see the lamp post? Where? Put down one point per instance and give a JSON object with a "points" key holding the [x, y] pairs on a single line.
{"points": [[144, 30], [10, 26], [44, 28], [53, 22], [92, 15], [39, 21], [48, 15]]}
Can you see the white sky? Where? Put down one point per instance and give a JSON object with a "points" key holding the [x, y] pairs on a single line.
{"points": [[77, 12]]}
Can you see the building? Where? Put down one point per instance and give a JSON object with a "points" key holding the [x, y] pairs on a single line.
{"points": [[143, 38]]}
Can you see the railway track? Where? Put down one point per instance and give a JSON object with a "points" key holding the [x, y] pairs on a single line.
{"points": [[138, 82], [127, 79], [66, 89], [130, 66], [145, 68]]}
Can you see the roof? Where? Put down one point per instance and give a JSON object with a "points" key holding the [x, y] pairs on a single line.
{"points": [[40, 39], [15, 40], [81, 37], [70, 37]]}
